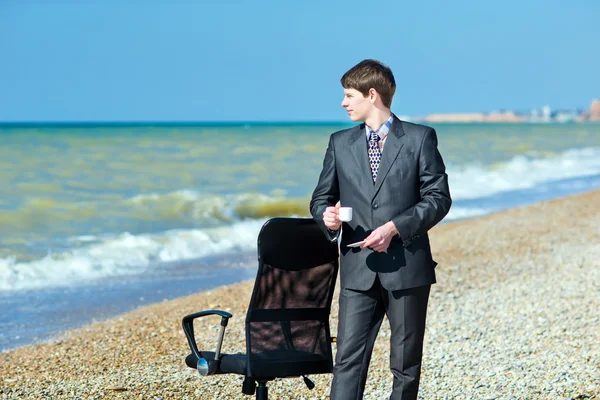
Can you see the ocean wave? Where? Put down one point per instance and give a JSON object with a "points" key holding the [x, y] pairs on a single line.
{"points": [[102, 256], [226, 208], [473, 181], [196, 224], [171, 210], [195, 209], [126, 254], [470, 181]]}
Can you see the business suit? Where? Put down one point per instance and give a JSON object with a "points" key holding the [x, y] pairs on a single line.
{"points": [[411, 190]]}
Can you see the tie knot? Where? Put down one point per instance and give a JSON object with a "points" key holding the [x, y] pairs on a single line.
{"points": [[374, 137]]}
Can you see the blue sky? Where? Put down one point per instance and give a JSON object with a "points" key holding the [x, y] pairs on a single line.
{"points": [[227, 60]]}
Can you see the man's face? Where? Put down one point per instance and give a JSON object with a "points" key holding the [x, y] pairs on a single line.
{"points": [[357, 105]]}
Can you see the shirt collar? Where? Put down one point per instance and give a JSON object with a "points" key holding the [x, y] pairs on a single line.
{"points": [[383, 130]]}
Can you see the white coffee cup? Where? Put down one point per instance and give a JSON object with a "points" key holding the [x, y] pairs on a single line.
{"points": [[345, 214]]}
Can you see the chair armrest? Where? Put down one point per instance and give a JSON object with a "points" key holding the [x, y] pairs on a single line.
{"points": [[188, 328]]}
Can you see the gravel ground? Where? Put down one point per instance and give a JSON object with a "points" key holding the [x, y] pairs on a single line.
{"points": [[515, 315]]}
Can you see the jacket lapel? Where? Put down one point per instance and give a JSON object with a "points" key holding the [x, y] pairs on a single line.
{"points": [[391, 149], [358, 147]]}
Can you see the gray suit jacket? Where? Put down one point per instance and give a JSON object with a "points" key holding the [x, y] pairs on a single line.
{"points": [[411, 190]]}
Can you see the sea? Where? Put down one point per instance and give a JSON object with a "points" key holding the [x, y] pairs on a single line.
{"points": [[99, 219]]}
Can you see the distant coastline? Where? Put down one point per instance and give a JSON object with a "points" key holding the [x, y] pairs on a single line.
{"points": [[544, 115]]}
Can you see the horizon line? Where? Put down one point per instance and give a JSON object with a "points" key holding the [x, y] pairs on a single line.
{"points": [[251, 123], [171, 122]]}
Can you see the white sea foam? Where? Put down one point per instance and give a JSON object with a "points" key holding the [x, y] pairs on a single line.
{"points": [[126, 254], [521, 172], [457, 213]]}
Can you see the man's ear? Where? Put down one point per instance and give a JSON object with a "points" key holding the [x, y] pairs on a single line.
{"points": [[373, 95]]}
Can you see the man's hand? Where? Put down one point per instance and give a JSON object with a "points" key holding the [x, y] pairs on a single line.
{"points": [[331, 217], [380, 238]]}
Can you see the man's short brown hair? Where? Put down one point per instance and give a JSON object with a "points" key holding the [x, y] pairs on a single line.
{"points": [[369, 74]]}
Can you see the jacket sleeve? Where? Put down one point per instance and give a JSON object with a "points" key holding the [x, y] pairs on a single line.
{"points": [[327, 192], [435, 193]]}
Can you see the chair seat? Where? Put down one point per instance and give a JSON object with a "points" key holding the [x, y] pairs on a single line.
{"points": [[238, 363]]}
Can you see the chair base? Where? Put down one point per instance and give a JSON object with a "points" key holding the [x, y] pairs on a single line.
{"points": [[249, 387], [262, 391]]}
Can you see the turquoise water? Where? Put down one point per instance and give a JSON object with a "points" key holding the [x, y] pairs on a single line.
{"points": [[90, 201]]}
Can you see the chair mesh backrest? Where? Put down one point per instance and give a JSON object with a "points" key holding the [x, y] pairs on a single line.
{"points": [[288, 317]]}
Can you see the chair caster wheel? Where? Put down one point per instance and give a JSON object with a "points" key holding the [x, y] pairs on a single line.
{"points": [[249, 386]]}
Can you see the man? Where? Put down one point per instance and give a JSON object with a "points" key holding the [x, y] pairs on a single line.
{"points": [[392, 175]]}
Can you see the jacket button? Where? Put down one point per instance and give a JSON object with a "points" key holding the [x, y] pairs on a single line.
{"points": [[375, 206]]}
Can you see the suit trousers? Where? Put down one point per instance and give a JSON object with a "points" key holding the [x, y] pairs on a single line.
{"points": [[360, 317]]}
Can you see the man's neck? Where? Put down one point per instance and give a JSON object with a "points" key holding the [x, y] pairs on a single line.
{"points": [[378, 118]]}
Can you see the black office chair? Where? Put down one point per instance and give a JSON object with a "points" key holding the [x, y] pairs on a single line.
{"points": [[287, 323]]}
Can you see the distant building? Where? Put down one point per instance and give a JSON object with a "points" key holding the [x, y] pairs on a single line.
{"points": [[565, 116], [595, 110], [504, 116], [546, 113]]}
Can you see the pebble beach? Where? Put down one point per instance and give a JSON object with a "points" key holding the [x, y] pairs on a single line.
{"points": [[515, 315]]}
